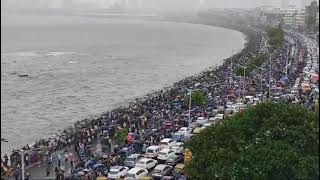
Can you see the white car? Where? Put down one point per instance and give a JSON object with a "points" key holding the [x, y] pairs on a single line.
{"points": [[167, 143], [185, 130], [152, 151], [136, 173], [146, 163], [178, 148], [117, 172], [201, 120], [164, 154]]}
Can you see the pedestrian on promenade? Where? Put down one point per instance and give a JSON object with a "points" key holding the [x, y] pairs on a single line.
{"points": [[57, 171], [66, 156], [48, 169], [27, 175], [59, 159]]}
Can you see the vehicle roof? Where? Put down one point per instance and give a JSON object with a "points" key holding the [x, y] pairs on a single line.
{"points": [[183, 128], [180, 165], [116, 167], [134, 155], [145, 159], [166, 140], [165, 150], [135, 170], [161, 166], [153, 147]]}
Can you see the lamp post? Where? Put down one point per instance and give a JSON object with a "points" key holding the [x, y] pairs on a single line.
{"points": [[190, 92], [244, 81]]}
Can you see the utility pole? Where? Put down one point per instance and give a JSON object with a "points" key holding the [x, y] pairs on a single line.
{"points": [[287, 62], [190, 92], [22, 164]]}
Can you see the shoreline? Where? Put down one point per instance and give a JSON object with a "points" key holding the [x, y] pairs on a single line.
{"points": [[83, 123]]}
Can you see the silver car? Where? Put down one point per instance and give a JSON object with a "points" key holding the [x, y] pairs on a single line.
{"points": [[132, 159]]}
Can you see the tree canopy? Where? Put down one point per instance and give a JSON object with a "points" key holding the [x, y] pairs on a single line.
{"points": [[276, 37], [269, 141], [198, 98]]}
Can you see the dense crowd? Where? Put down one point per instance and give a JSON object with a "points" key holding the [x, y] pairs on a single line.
{"points": [[159, 115]]}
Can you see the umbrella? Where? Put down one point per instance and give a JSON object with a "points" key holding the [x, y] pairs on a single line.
{"points": [[315, 77]]}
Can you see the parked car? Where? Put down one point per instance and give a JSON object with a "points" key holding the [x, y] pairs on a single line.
{"points": [[136, 173], [173, 160], [178, 148], [201, 120], [132, 159], [146, 163], [185, 130], [117, 172], [164, 154], [161, 170], [152, 151], [167, 143]]}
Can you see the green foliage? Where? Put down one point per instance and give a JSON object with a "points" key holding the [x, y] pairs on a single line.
{"points": [[121, 135], [251, 65], [276, 37], [198, 98], [270, 141]]}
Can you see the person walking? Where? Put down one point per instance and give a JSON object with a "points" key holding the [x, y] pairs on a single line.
{"points": [[48, 169], [59, 159]]}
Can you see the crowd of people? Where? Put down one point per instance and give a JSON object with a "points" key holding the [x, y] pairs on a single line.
{"points": [[273, 80]]}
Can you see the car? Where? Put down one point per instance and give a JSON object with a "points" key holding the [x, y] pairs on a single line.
{"points": [[167, 143], [117, 172], [197, 130], [201, 120], [132, 159], [136, 173], [178, 148], [173, 160], [164, 154], [207, 124], [146, 163], [152, 151], [184, 130], [161, 170]]}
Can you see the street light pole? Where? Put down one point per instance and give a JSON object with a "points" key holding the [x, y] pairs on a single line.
{"points": [[287, 63], [22, 164], [244, 82], [190, 92]]}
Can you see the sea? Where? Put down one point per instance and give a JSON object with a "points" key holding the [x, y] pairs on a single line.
{"points": [[57, 69]]}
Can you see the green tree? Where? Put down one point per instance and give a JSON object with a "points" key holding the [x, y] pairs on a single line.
{"points": [[198, 98], [121, 135], [276, 37], [270, 141]]}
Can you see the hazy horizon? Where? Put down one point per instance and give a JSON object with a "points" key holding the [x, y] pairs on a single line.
{"points": [[148, 5]]}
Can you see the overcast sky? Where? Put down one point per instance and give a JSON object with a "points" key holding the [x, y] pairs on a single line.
{"points": [[156, 4]]}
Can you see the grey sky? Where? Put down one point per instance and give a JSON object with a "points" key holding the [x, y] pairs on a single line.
{"points": [[152, 4]]}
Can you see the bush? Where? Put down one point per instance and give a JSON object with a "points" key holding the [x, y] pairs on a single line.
{"points": [[270, 141]]}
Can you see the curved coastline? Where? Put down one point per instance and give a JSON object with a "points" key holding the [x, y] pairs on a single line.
{"points": [[85, 122]]}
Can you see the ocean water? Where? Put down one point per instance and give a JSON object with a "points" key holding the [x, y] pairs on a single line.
{"points": [[56, 70]]}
